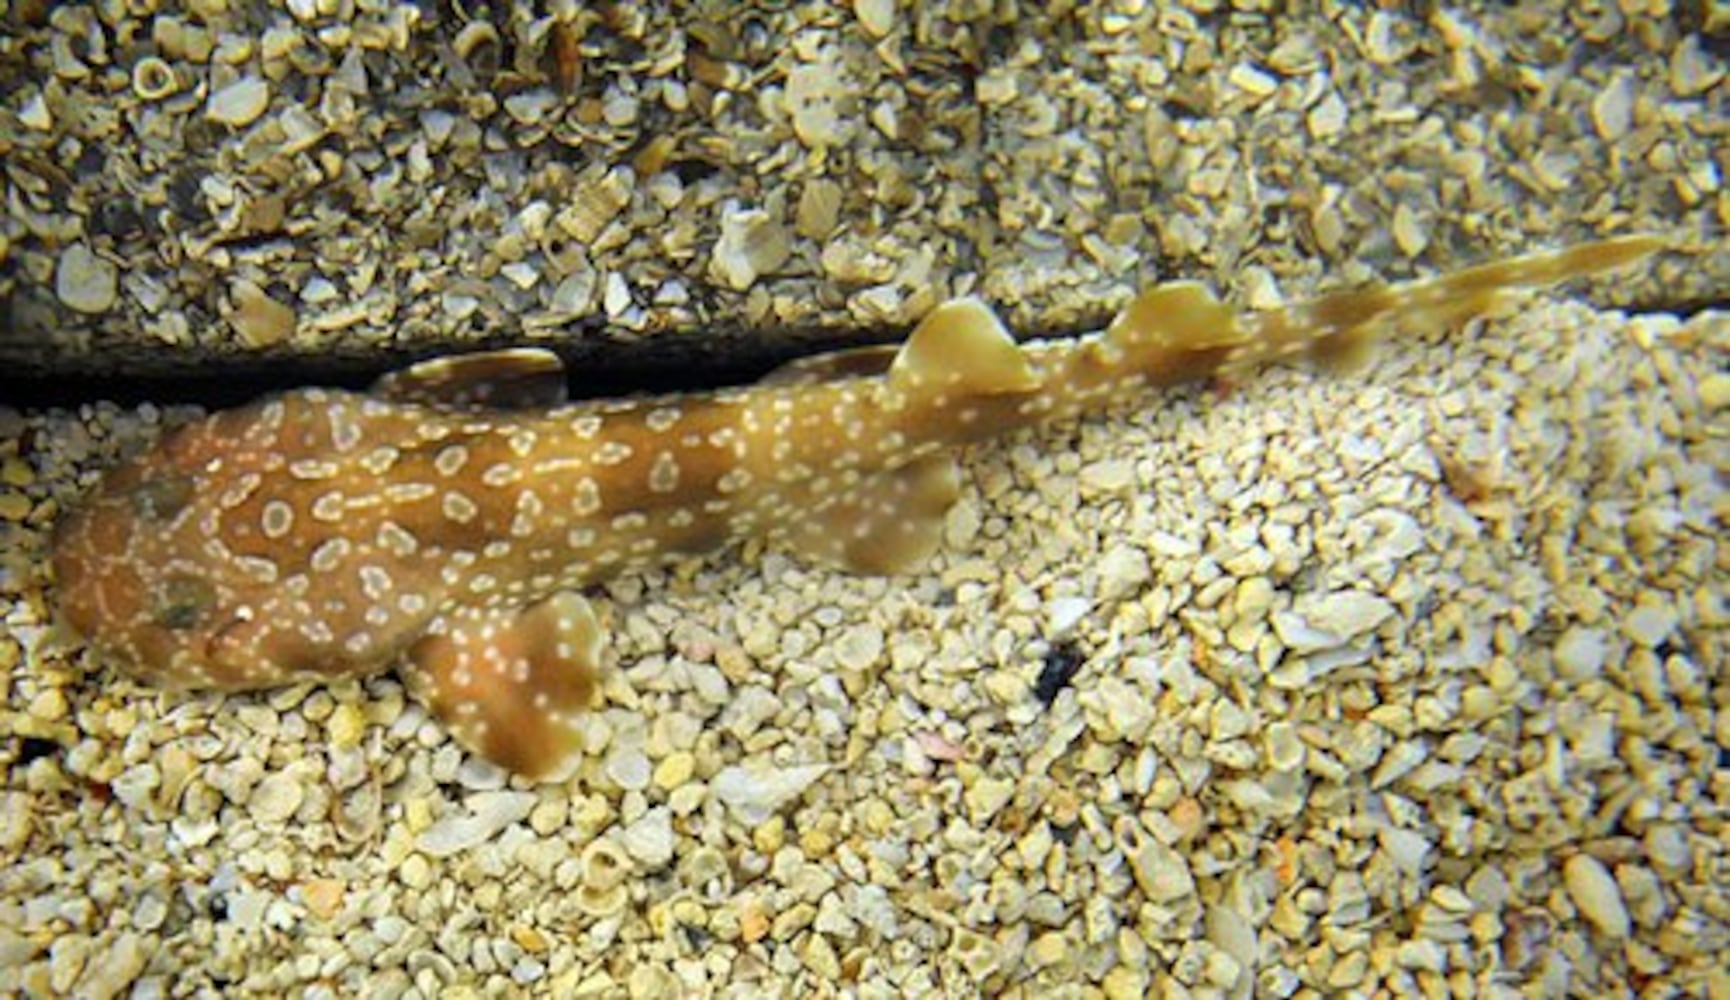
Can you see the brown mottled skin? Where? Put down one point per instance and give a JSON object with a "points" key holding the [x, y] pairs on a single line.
{"points": [[445, 524]]}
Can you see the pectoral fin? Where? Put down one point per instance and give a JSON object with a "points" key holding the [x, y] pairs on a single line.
{"points": [[890, 522], [511, 682], [517, 378]]}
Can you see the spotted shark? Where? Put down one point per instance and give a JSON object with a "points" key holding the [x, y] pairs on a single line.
{"points": [[446, 522]]}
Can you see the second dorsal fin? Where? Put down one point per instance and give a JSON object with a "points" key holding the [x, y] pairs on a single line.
{"points": [[510, 379], [961, 348], [1178, 315]]}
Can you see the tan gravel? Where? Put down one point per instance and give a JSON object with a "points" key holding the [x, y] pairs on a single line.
{"points": [[1334, 727]]}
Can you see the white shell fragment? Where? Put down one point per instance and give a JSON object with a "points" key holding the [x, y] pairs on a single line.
{"points": [[1162, 873], [239, 103], [751, 244], [816, 92], [650, 839], [276, 797], [754, 793], [35, 114], [486, 815], [1330, 621], [84, 281], [1062, 614], [1581, 653]]}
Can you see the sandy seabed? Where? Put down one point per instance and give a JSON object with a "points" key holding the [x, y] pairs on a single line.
{"points": [[1401, 682]]}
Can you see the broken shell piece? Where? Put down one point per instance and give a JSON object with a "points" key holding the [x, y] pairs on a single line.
{"points": [[752, 244], [597, 200], [819, 209], [605, 865], [84, 281], [600, 902], [259, 319], [939, 747], [486, 816], [1162, 873], [531, 107], [478, 45], [153, 79], [239, 103], [564, 255], [817, 95], [877, 17]]}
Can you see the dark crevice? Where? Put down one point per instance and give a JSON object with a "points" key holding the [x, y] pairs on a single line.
{"points": [[1683, 309], [596, 368], [599, 371]]}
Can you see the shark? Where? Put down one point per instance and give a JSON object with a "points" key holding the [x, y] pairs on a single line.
{"points": [[446, 522]]}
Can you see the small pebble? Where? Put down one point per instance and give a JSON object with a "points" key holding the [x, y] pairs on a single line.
{"points": [[1162, 873], [1063, 614], [1331, 620], [751, 244], [276, 798], [484, 816], [650, 839], [1594, 890], [117, 966], [35, 114], [84, 281], [415, 872], [1048, 950], [14, 506], [347, 723], [1667, 849], [1581, 653], [753, 794], [323, 897], [15, 471], [629, 768], [259, 319], [877, 17], [859, 647], [239, 103], [1613, 108], [1649, 624], [814, 93], [674, 770], [1123, 570], [1715, 391]]}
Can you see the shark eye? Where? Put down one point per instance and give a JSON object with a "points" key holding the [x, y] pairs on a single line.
{"points": [[184, 601], [162, 497]]}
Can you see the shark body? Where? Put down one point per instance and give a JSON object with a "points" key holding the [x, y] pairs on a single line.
{"points": [[445, 522]]}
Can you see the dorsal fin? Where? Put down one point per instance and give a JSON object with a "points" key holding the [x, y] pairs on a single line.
{"points": [[1178, 315], [853, 362], [511, 379], [962, 348]]}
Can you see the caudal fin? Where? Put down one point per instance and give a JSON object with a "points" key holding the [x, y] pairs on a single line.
{"points": [[1179, 330], [1339, 326]]}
